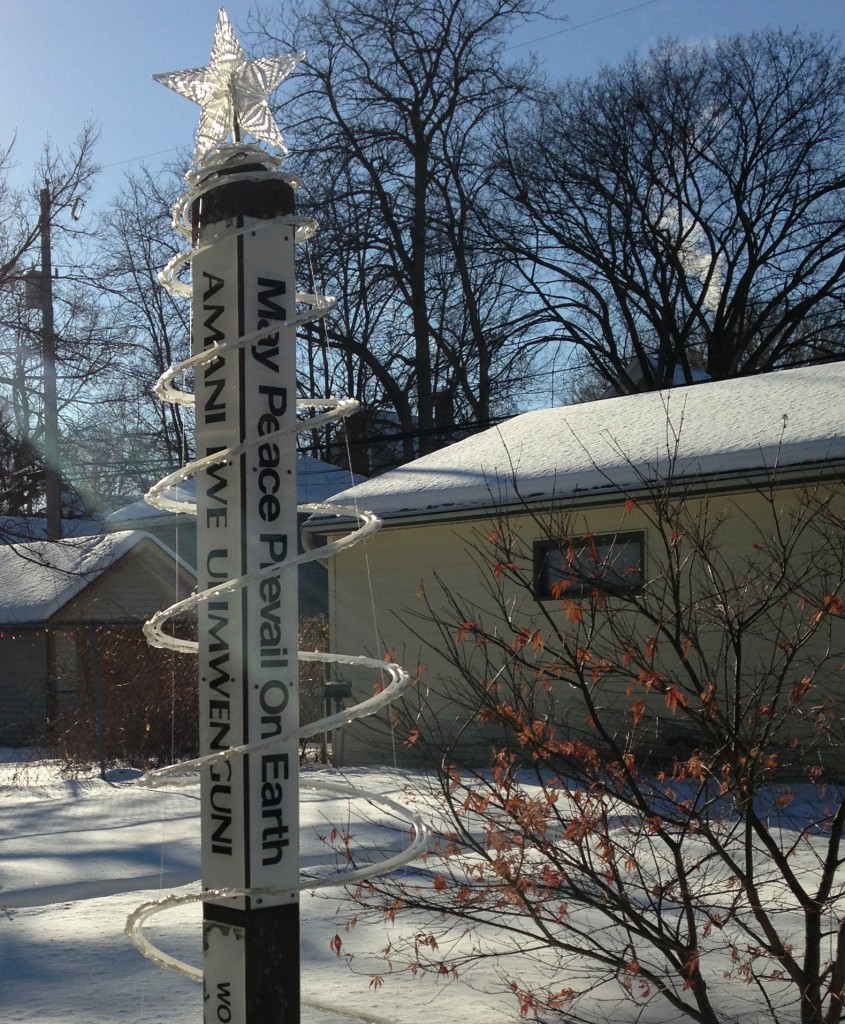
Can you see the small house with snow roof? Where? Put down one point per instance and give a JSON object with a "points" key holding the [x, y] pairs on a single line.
{"points": [[62, 603], [725, 445], [316, 481]]}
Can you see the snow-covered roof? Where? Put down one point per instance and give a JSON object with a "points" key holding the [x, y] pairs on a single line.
{"points": [[316, 481], [39, 578], [24, 528], [792, 418]]}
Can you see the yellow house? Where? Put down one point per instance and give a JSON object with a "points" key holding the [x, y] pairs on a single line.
{"points": [[529, 524]]}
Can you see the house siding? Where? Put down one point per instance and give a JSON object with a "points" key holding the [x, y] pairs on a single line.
{"points": [[404, 566], [137, 584], [23, 677], [126, 594], [376, 605]]}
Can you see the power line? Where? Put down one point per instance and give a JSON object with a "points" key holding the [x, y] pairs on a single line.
{"points": [[138, 159], [583, 24]]}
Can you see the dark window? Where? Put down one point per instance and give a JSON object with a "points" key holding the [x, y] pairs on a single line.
{"points": [[575, 566]]}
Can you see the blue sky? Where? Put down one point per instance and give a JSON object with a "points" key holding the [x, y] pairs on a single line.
{"points": [[64, 62]]}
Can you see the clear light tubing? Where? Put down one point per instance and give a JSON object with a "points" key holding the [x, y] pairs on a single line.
{"points": [[243, 362]]}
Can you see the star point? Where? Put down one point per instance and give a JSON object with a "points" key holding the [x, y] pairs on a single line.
{"points": [[232, 92]]}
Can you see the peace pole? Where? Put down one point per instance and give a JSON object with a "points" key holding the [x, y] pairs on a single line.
{"points": [[246, 523], [239, 214], [243, 286]]}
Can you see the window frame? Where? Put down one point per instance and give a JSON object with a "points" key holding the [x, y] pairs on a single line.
{"points": [[578, 590]]}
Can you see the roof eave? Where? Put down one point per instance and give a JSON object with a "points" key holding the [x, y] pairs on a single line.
{"points": [[694, 484]]}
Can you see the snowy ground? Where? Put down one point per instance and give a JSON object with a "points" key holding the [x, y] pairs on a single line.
{"points": [[78, 856]]}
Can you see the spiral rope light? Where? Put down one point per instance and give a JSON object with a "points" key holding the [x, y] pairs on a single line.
{"points": [[232, 92]]}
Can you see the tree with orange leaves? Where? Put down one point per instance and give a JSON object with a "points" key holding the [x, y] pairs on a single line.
{"points": [[657, 826]]}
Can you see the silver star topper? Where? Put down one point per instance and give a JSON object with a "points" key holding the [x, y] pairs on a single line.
{"points": [[232, 91]]}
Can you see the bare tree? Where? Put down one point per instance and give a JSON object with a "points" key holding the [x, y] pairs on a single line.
{"points": [[70, 176], [80, 346], [684, 211], [145, 438], [659, 821], [21, 474], [390, 120]]}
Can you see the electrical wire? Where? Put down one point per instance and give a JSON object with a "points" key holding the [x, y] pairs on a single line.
{"points": [[582, 24]]}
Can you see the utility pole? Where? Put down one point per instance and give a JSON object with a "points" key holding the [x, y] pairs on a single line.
{"points": [[52, 474]]}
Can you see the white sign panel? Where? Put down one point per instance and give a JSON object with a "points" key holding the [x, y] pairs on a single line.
{"points": [[246, 509]]}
